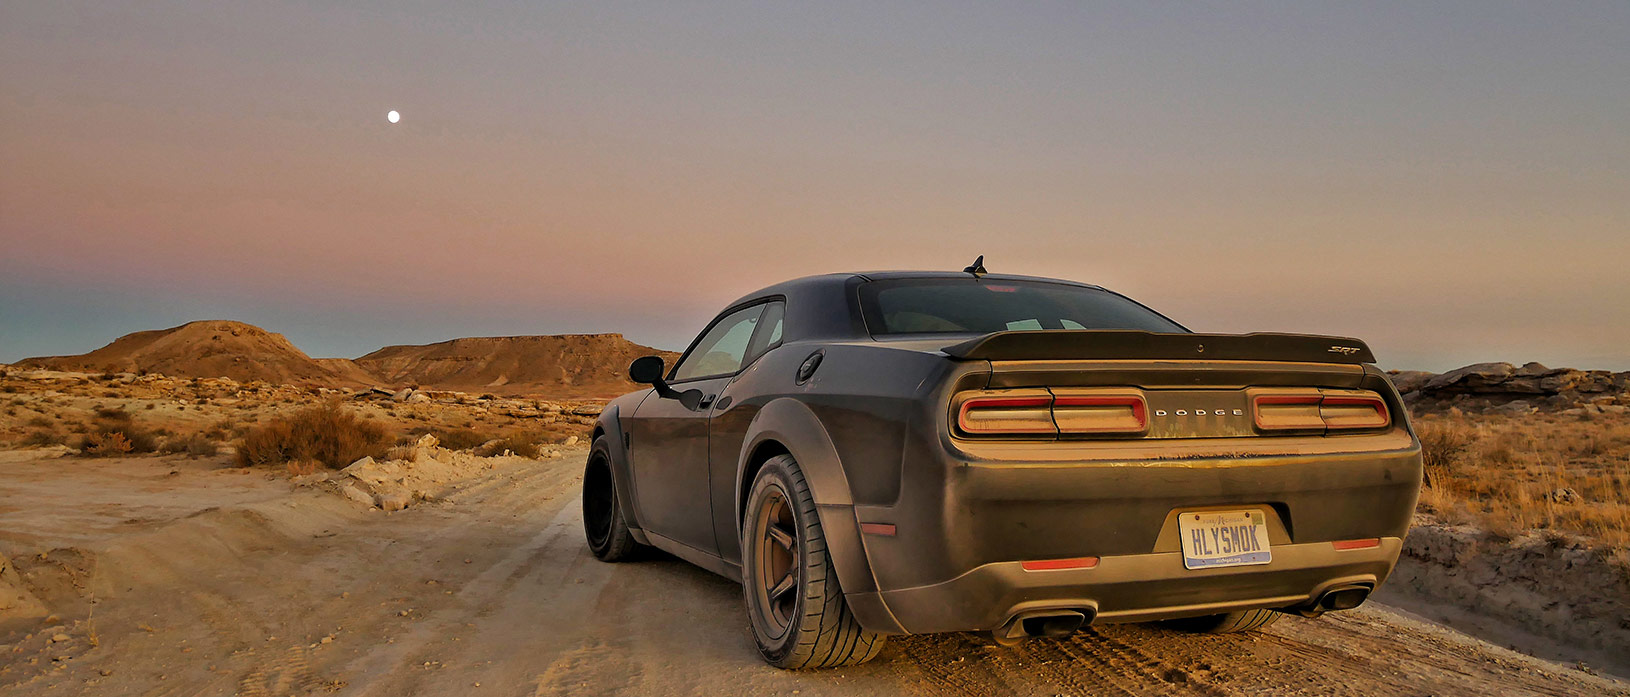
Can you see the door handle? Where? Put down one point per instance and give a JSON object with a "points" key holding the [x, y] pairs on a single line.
{"points": [[706, 401]]}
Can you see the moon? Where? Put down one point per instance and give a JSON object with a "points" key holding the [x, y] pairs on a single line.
{"points": [[393, 117]]}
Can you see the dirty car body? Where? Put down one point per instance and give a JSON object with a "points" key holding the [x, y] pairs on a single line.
{"points": [[1022, 455]]}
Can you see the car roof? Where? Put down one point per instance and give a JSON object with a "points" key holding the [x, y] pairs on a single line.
{"points": [[840, 280], [821, 307]]}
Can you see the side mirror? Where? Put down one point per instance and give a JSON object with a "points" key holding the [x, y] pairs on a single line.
{"points": [[648, 370]]}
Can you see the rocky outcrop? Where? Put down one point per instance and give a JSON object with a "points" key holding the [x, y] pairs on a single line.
{"points": [[1529, 387], [568, 365]]}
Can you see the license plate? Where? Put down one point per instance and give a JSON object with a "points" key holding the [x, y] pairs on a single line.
{"points": [[1223, 538]]}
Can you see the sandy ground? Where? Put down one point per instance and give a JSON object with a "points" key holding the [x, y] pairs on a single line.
{"points": [[213, 581]]}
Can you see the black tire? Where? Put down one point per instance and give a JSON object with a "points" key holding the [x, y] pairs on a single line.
{"points": [[806, 624], [604, 524], [1226, 623]]}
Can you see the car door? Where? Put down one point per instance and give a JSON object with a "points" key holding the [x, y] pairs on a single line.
{"points": [[733, 412], [668, 449]]}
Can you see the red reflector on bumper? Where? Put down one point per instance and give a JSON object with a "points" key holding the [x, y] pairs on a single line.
{"points": [[1052, 564], [877, 529], [1356, 544]]}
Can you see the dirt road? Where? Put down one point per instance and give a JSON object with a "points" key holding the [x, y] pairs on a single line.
{"points": [[491, 591]]}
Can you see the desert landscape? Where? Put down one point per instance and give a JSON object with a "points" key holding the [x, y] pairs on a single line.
{"points": [[208, 510]]}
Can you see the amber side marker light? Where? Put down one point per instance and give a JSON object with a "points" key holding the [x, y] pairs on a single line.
{"points": [[1368, 543], [1058, 564], [1319, 411], [885, 529]]}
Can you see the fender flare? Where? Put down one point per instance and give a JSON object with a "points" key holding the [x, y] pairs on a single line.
{"points": [[610, 424], [791, 424]]}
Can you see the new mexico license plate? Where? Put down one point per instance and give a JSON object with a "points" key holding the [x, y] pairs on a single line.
{"points": [[1223, 538]]}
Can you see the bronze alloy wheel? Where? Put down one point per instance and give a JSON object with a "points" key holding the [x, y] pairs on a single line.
{"points": [[796, 606], [776, 571]]}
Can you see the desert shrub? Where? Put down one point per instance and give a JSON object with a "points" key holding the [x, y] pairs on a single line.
{"points": [[223, 429], [112, 415], [8, 388], [1444, 446], [106, 445], [114, 432], [42, 437], [327, 433], [151, 406], [110, 393], [195, 445], [522, 444], [301, 468], [461, 438]]}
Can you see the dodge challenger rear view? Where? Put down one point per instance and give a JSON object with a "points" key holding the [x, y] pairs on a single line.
{"points": [[912, 452]]}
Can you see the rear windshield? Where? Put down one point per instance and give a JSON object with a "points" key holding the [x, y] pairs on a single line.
{"points": [[979, 306]]}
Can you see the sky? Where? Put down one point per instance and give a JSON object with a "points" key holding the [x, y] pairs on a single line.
{"points": [[1449, 181]]}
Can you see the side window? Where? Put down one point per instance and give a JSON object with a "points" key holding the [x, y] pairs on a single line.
{"points": [[722, 348], [769, 331]]}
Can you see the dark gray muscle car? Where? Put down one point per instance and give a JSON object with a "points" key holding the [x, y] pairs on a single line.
{"points": [[912, 452]]}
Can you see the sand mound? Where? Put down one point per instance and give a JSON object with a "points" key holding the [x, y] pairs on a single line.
{"points": [[570, 365], [16, 602], [1546, 590], [210, 349]]}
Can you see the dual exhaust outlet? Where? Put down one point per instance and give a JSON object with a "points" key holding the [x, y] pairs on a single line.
{"points": [[1053, 624]]}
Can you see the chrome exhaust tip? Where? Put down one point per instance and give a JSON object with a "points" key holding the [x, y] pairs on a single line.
{"points": [[1343, 598]]}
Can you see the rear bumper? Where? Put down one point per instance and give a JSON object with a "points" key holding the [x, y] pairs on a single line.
{"points": [[1128, 588], [960, 531]]}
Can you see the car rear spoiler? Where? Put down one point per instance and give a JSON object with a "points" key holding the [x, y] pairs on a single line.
{"points": [[1110, 344]]}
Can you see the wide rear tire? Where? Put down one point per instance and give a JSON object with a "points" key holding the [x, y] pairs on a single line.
{"points": [[797, 610], [604, 522], [1226, 623]]}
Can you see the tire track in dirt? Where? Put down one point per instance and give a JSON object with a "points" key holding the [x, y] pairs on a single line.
{"points": [[492, 584], [481, 595]]}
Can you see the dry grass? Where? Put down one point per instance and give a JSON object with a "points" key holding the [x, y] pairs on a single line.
{"points": [[195, 445], [461, 438], [327, 433], [519, 443], [1516, 473]]}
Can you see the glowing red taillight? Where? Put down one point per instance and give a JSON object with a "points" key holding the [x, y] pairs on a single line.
{"points": [[1012, 412], [1100, 411], [1318, 410], [1041, 412]]}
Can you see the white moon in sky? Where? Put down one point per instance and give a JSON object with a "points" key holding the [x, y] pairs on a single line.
{"points": [[393, 117]]}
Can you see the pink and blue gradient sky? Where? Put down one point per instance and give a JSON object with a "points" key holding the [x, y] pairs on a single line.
{"points": [[1450, 181]]}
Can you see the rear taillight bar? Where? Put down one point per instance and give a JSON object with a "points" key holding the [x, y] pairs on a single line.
{"points": [[1090, 412], [1009, 412], [1039, 412], [1318, 410]]}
